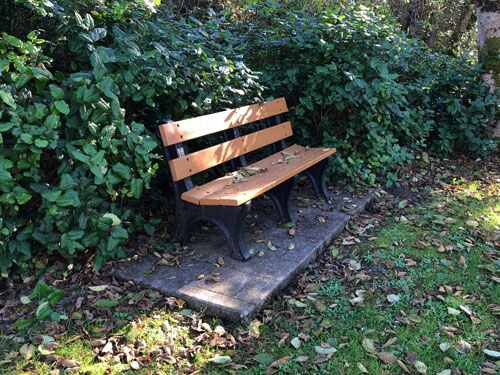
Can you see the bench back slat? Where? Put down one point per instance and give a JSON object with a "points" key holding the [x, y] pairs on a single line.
{"points": [[210, 157], [185, 130]]}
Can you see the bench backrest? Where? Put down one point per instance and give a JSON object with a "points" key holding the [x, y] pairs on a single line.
{"points": [[174, 133]]}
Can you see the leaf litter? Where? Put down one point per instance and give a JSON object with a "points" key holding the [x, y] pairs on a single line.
{"points": [[359, 278]]}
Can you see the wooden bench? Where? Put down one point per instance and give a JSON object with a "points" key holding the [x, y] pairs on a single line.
{"points": [[226, 201]]}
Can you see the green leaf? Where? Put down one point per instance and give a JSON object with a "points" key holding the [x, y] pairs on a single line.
{"points": [[22, 195], [5, 126], [104, 224], [7, 98], [67, 182], [136, 187], [27, 138], [119, 233], [122, 170], [5, 176], [55, 296], [56, 92], [12, 40], [77, 154], [52, 121], [42, 143], [69, 198], [115, 220], [43, 312], [62, 106], [51, 195]]}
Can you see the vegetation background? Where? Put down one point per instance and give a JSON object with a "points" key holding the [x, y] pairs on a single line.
{"points": [[83, 84]]}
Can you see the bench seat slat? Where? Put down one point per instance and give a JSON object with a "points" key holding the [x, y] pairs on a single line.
{"points": [[223, 192], [210, 157], [185, 130]]}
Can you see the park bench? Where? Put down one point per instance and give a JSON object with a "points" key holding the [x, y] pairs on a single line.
{"points": [[226, 201]]}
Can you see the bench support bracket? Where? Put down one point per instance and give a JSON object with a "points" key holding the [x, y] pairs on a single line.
{"points": [[281, 196], [316, 174], [229, 219]]}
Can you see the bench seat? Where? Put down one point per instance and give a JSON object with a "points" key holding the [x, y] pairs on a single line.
{"points": [[223, 192]]}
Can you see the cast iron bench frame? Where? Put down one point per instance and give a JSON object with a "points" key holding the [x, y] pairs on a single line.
{"points": [[230, 218]]}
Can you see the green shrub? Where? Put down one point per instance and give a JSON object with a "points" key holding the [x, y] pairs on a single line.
{"points": [[79, 101], [354, 82]]}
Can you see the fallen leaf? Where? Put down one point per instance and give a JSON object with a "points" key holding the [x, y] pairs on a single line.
{"points": [[25, 300], [403, 366], [472, 223], [368, 345], [98, 288], [70, 363], [393, 298], [302, 359], [264, 359], [387, 357], [295, 342], [98, 342], [253, 328], [325, 351], [363, 277], [444, 346], [320, 306], [491, 353], [199, 277], [463, 346], [421, 367], [27, 351], [270, 246], [220, 359], [360, 293], [453, 311], [444, 372], [284, 337], [274, 368], [362, 368], [390, 342]]}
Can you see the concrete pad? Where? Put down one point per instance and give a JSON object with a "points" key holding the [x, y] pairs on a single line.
{"points": [[236, 290]]}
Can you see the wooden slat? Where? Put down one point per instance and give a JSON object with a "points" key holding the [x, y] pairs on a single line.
{"points": [[185, 130], [210, 157], [223, 192]]}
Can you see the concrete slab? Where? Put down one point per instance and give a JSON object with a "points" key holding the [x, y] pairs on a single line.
{"points": [[236, 290]]}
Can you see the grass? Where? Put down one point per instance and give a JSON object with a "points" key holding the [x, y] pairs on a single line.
{"points": [[438, 263]]}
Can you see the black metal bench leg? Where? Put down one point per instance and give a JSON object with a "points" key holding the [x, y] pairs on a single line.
{"points": [[231, 220], [281, 196], [185, 215], [316, 174]]}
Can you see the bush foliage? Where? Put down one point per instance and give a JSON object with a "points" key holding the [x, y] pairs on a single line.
{"points": [[354, 82], [77, 100], [82, 84]]}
